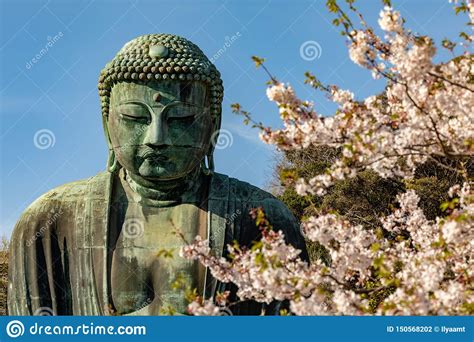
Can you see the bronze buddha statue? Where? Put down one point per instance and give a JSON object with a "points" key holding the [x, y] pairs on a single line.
{"points": [[92, 247]]}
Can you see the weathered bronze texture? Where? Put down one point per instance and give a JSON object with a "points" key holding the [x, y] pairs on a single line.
{"points": [[107, 244]]}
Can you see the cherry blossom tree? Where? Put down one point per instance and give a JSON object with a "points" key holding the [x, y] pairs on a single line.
{"points": [[418, 266]]}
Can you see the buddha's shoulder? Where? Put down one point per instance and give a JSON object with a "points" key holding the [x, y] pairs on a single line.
{"points": [[72, 192], [247, 196], [254, 196]]}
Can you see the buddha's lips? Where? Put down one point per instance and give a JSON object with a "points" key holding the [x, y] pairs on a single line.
{"points": [[158, 156]]}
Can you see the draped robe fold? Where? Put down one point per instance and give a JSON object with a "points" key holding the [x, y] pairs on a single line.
{"points": [[60, 256]]}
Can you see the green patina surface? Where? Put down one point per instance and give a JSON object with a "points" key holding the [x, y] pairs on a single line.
{"points": [[94, 247]]}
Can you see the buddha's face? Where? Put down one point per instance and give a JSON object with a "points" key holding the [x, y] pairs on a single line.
{"points": [[160, 130]]}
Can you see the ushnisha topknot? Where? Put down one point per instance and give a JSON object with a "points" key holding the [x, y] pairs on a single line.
{"points": [[161, 57]]}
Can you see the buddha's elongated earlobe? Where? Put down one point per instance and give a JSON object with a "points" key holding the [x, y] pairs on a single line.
{"points": [[210, 162], [112, 164], [209, 168]]}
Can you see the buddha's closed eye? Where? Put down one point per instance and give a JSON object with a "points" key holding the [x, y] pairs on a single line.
{"points": [[175, 112], [133, 112]]}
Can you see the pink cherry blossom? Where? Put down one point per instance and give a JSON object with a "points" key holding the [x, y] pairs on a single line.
{"points": [[425, 113]]}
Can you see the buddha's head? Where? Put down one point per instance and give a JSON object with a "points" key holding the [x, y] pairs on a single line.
{"points": [[161, 105]]}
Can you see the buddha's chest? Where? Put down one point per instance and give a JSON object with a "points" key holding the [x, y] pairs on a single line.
{"points": [[145, 261]]}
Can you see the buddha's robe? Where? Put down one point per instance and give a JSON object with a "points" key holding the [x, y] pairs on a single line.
{"points": [[60, 253]]}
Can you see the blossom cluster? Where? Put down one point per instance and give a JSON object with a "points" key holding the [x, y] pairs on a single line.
{"points": [[425, 111], [270, 270], [418, 266], [425, 265]]}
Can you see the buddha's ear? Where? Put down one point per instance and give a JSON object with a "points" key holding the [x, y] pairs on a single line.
{"points": [[112, 163], [215, 127], [105, 125], [216, 124], [209, 168]]}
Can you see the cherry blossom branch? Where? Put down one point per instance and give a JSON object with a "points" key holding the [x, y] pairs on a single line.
{"points": [[450, 82]]}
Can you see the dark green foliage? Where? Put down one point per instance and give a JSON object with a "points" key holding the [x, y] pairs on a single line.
{"points": [[296, 203], [432, 182], [377, 297], [432, 192], [317, 251], [363, 199], [304, 163], [366, 197]]}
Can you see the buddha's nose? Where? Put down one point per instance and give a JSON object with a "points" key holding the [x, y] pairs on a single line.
{"points": [[157, 133]]}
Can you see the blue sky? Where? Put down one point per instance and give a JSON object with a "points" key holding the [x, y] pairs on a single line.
{"points": [[57, 92]]}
